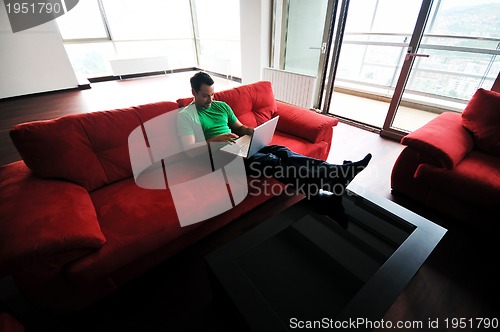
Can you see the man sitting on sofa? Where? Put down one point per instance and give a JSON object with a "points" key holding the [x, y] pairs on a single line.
{"points": [[220, 124]]}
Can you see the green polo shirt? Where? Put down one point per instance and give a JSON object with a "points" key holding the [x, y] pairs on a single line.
{"points": [[205, 123]]}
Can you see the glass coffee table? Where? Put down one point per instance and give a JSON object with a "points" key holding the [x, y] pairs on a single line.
{"points": [[302, 269]]}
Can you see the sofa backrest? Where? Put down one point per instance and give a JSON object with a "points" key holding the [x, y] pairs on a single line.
{"points": [[481, 117], [89, 149], [252, 104]]}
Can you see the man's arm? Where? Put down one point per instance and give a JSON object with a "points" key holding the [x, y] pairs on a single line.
{"points": [[240, 129], [229, 137], [194, 149], [190, 146]]}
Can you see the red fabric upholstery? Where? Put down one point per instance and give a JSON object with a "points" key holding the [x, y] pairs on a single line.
{"points": [[434, 139], [108, 133], [482, 117], [43, 218], [257, 195], [59, 148], [318, 150], [88, 149], [475, 179], [403, 172], [461, 210], [313, 127], [149, 111], [119, 207], [9, 323], [256, 99], [128, 215], [183, 102], [443, 168], [46, 286]]}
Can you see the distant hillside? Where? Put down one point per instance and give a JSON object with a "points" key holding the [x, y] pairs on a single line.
{"points": [[475, 21]]}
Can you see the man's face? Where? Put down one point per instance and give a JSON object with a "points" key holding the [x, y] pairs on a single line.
{"points": [[204, 97]]}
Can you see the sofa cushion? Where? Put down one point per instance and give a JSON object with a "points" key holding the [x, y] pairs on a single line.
{"points": [[318, 150], [434, 140], [89, 149], [313, 126], [59, 148], [183, 102], [135, 221], [43, 219], [141, 225], [476, 179], [256, 99], [482, 117], [149, 111], [108, 132]]}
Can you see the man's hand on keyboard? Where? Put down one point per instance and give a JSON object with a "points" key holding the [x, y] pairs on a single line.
{"points": [[230, 137]]}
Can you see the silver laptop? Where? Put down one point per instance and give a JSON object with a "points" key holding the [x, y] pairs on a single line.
{"points": [[246, 146]]}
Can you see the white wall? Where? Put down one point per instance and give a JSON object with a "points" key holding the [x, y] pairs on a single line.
{"points": [[33, 60], [255, 27]]}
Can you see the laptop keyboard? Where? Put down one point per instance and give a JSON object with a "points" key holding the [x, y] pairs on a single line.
{"points": [[244, 148]]}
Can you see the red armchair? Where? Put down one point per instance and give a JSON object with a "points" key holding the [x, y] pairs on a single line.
{"points": [[452, 164]]}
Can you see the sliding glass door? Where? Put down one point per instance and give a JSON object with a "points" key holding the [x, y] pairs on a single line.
{"points": [[454, 52], [304, 38], [371, 40], [395, 65]]}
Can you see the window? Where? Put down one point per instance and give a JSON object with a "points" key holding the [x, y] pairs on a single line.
{"points": [[219, 35], [84, 21], [148, 19], [97, 31], [91, 59], [461, 38], [151, 28]]}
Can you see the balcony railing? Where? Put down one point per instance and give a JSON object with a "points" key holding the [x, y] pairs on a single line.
{"points": [[456, 68]]}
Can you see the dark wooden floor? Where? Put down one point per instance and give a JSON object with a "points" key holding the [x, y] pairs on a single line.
{"points": [[457, 281]]}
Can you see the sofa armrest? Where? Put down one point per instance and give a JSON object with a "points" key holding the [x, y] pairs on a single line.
{"points": [[41, 219], [443, 138], [304, 123]]}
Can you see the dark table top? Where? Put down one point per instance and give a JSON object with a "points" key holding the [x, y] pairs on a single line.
{"points": [[301, 268]]}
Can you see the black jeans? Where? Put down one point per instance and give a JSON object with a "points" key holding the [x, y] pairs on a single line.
{"points": [[308, 175]]}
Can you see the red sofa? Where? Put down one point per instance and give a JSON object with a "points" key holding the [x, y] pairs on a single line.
{"points": [[452, 164], [75, 226]]}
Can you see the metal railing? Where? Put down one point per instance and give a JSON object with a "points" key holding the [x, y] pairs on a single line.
{"points": [[456, 68]]}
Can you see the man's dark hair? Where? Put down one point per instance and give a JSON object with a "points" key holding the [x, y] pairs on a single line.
{"points": [[200, 78]]}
